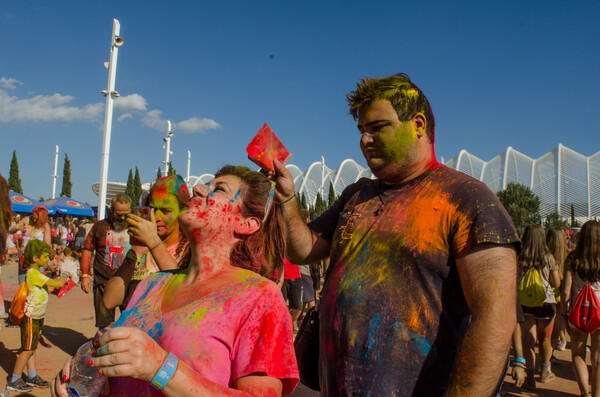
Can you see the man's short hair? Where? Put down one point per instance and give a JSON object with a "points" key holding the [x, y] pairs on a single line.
{"points": [[35, 248], [120, 198], [405, 96]]}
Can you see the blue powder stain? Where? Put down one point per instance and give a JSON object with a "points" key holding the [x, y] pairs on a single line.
{"points": [[420, 343]]}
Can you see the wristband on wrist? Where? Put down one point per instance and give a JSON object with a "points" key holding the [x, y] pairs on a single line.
{"points": [[519, 360], [84, 275], [165, 372], [156, 245], [288, 199], [133, 256]]}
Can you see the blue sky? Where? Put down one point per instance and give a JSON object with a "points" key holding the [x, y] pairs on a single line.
{"points": [[498, 74]]}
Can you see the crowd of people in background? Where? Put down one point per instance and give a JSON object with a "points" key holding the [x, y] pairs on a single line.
{"points": [[414, 273]]}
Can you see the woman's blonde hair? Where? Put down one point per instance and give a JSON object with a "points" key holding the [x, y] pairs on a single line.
{"points": [[557, 244], [585, 259]]}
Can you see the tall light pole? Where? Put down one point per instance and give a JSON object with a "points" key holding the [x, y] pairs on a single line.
{"points": [[115, 42], [55, 176], [167, 147]]}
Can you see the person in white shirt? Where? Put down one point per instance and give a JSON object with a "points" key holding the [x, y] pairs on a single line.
{"points": [[69, 265]]}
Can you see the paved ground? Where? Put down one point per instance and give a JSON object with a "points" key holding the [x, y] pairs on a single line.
{"points": [[69, 323]]}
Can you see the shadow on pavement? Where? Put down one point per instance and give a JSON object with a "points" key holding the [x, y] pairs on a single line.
{"points": [[65, 339]]}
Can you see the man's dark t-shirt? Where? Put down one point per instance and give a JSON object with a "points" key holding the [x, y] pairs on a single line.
{"points": [[110, 247], [393, 313]]}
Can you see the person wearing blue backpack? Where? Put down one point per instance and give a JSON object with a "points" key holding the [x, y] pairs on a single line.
{"points": [[582, 269], [535, 256]]}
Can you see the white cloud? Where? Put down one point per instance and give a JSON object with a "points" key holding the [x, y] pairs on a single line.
{"points": [[9, 84], [125, 116], [196, 124], [45, 108], [130, 103], [154, 120]]}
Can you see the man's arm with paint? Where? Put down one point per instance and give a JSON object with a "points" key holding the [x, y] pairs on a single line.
{"points": [[303, 245], [488, 278], [86, 259]]}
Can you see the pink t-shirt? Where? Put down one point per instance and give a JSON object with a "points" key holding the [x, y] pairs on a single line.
{"points": [[231, 333]]}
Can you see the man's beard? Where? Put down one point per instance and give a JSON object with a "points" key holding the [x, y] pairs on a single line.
{"points": [[119, 225]]}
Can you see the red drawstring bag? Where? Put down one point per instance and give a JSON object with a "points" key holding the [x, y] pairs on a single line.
{"points": [[17, 307], [585, 313]]}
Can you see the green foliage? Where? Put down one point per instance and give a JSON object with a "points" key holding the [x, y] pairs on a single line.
{"points": [[319, 206], [129, 189], [331, 197], [522, 205], [67, 186], [172, 171], [303, 201], [554, 220], [42, 198], [14, 182], [137, 186], [574, 222], [158, 173]]}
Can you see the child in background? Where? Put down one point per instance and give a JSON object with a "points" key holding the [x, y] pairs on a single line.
{"points": [[36, 256], [69, 265]]}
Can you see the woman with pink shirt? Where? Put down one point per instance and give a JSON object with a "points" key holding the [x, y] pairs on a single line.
{"points": [[215, 327]]}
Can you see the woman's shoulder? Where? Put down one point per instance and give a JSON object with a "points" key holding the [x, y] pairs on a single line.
{"points": [[256, 283]]}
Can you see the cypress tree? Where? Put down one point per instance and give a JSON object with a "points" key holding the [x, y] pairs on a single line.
{"points": [[14, 182], [158, 173], [129, 189], [320, 204], [331, 198], [574, 222], [66, 182], [303, 201], [137, 186], [172, 171]]}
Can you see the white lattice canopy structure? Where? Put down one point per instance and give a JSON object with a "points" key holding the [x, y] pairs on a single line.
{"points": [[560, 178]]}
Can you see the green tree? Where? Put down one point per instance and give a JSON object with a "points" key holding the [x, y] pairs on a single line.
{"points": [[303, 201], [129, 189], [522, 205], [137, 186], [159, 173], [67, 186], [331, 197], [42, 198], [554, 219], [320, 205], [14, 182], [574, 222], [172, 171]]}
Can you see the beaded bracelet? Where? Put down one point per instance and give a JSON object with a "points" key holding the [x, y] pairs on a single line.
{"points": [[166, 372]]}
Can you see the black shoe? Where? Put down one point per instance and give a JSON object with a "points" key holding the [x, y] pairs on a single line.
{"points": [[36, 381], [18, 385]]}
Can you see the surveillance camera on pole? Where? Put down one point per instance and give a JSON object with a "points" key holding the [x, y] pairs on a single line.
{"points": [[110, 94]]}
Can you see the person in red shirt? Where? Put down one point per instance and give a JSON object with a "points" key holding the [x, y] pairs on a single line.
{"points": [[292, 290]]}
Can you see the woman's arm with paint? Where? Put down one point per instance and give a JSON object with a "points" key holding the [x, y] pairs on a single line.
{"points": [[488, 278], [126, 351], [116, 287]]}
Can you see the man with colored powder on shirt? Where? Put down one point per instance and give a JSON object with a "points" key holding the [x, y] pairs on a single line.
{"points": [[110, 240], [421, 295]]}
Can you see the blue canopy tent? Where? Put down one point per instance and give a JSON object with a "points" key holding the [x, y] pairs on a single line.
{"points": [[22, 203], [69, 206]]}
